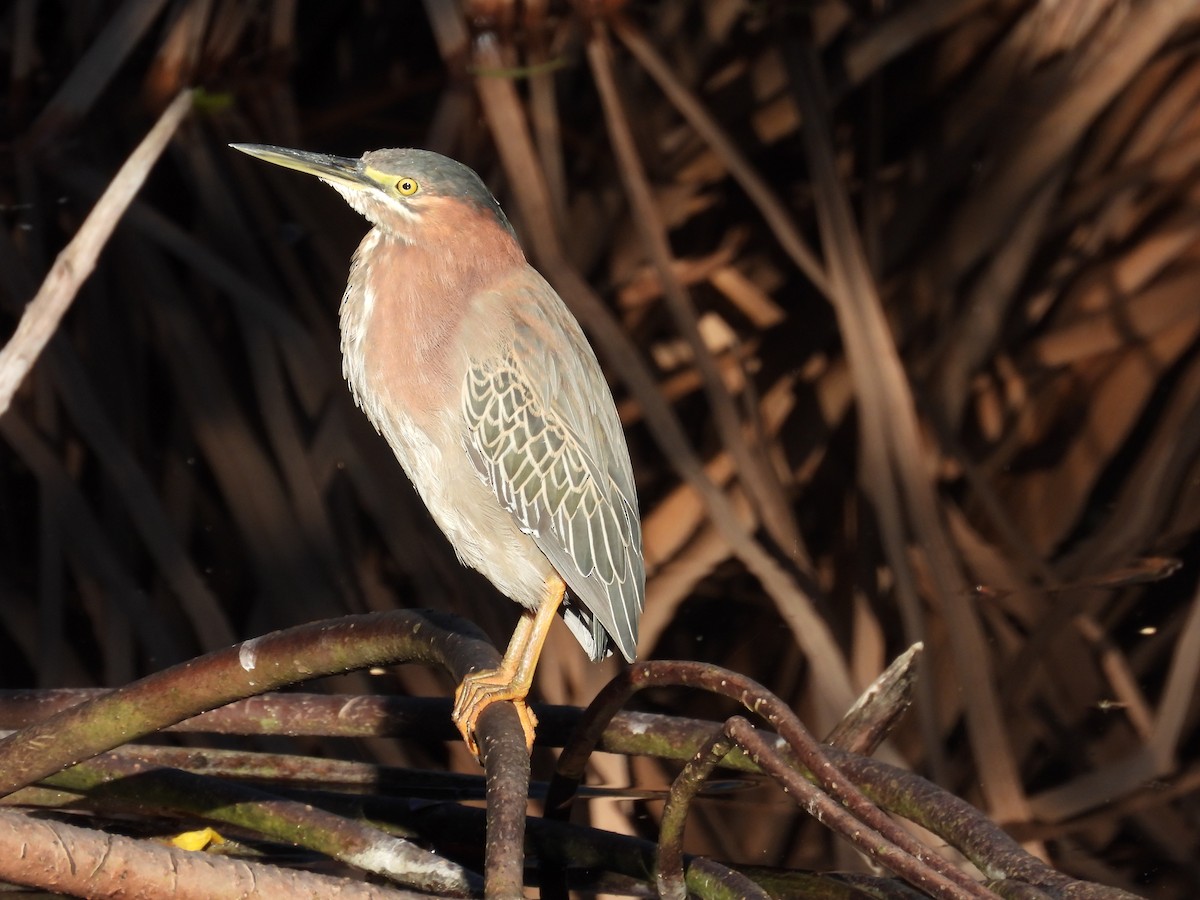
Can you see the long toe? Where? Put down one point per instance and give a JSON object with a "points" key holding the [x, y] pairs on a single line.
{"points": [[478, 691]]}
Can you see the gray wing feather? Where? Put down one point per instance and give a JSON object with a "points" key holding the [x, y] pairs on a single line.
{"points": [[545, 436]]}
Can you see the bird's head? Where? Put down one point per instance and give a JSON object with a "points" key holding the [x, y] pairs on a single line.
{"points": [[405, 192]]}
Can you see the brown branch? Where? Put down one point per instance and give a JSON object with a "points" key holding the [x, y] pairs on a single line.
{"points": [[903, 793], [86, 863], [270, 662], [127, 780], [506, 761], [258, 665], [755, 698], [921, 868]]}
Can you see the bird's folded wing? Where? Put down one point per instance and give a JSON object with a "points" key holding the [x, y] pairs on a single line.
{"points": [[538, 439]]}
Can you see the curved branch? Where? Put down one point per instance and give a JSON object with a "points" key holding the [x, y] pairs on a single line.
{"points": [[757, 699], [276, 660], [252, 667]]}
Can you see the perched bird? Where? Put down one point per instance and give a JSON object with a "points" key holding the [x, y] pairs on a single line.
{"points": [[471, 367]]}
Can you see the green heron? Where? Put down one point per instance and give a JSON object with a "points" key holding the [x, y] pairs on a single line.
{"points": [[468, 363]]}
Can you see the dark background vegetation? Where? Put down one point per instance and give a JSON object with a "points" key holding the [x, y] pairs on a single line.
{"points": [[184, 468]]}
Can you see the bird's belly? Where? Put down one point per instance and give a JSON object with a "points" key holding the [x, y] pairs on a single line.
{"points": [[485, 535]]}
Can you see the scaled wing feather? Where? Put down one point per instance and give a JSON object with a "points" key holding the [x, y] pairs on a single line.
{"points": [[556, 458]]}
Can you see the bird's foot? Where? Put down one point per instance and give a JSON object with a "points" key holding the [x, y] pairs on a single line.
{"points": [[481, 689]]}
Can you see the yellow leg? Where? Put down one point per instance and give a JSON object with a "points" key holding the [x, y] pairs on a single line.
{"points": [[512, 680]]}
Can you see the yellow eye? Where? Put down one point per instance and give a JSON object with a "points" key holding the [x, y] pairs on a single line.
{"points": [[406, 187]]}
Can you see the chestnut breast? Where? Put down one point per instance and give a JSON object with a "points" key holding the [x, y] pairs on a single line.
{"points": [[404, 311]]}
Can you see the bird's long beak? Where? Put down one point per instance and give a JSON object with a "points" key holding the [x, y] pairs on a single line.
{"points": [[333, 169]]}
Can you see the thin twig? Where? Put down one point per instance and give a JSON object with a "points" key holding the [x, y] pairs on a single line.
{"points": [[77, 260]]}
